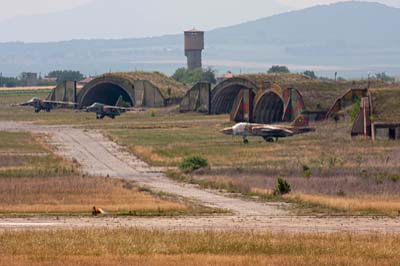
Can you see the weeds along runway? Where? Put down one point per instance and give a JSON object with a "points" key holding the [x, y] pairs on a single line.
{"points": [[99, 156]]}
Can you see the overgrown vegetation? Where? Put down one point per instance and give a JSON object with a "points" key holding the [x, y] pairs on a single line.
{"points": [[310, 74], [282, 187], [193, 163], [355, 110], [278, 69], [384, 77], [194, 76], [62, 75]]}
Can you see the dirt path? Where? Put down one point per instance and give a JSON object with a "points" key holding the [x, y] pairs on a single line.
{"points": [[101, 157]]}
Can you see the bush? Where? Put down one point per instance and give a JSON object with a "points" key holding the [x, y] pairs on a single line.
{"points": [[194, 76], [310, 74], [306, 171], [193, 163], [278, 69], [63, 75], [355, 110], [282, 187]]}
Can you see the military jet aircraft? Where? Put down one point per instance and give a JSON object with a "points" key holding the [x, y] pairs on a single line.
{"points": [[46, 105], [268, 132], [103, 110]]}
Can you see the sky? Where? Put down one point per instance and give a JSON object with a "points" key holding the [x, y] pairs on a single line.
{"points": [[14, 8]]}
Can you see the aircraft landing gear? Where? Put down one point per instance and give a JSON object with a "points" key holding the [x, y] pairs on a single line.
{"points": [[37, 110], [99, 116], [246, 140], [113, 117], [268, 139], [48, 110]]}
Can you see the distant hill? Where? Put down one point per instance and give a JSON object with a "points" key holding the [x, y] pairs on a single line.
{"points": [[350, 37], [346, 22]]}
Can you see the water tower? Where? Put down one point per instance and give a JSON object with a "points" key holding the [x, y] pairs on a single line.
{"points": [[194, 45]]}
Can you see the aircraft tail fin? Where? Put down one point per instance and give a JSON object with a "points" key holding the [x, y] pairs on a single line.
{"points": [[301, 121], [120, 102]]}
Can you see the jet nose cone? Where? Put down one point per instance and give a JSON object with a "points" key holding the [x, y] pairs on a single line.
{"points": [[227, 131]]}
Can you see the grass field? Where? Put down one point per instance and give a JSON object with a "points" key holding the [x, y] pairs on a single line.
{"points": [[24, 155], [77, 196], [134, 247], [35, 181], [322, 165]]}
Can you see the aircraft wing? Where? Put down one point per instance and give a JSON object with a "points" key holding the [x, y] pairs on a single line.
{"points": [[59, 102], [24, 104], [118, 108], [272, 131]]}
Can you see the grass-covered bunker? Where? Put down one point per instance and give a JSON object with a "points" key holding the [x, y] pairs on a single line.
{"points": [[138, 89]]}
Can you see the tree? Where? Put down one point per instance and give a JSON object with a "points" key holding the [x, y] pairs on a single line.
{"points": [[384, 77], [9, 82], [193, 76], [310, 74], [278, 69], [63, 75]]}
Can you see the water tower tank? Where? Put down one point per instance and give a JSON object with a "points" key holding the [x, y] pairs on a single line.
{"points": [[194, 44]]}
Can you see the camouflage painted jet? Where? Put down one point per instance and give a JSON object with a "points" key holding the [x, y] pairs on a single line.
{"points": [[103, 110], [46, 105], [268, 132]]}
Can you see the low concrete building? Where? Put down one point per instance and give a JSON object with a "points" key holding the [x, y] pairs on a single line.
{"points": [[29, 79]]}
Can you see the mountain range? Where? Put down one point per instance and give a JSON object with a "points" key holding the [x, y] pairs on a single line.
{"points": [[353, 38]]}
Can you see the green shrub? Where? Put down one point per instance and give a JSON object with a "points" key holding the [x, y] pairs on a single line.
{"points": [[193, 163], [282, 187], [306, 171], [355, 110], [278, 69]]}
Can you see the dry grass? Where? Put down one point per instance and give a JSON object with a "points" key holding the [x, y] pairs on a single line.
{"points": [[367, 204], [339, 165], [194, 260], [328, 152], [134, 247], [25, 155], [34, 88], [76, 195], [20, 143], [161, 81], [386, 105]]}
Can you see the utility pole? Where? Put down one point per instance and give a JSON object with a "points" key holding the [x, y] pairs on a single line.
{"points": [[369, 79]]}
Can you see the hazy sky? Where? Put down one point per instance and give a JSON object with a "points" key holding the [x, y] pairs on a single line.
{"points": [[13, 8]]}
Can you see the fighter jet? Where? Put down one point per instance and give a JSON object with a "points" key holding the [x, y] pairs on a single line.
{"points": [[268, 132], [103, 110], [46, 105]]}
